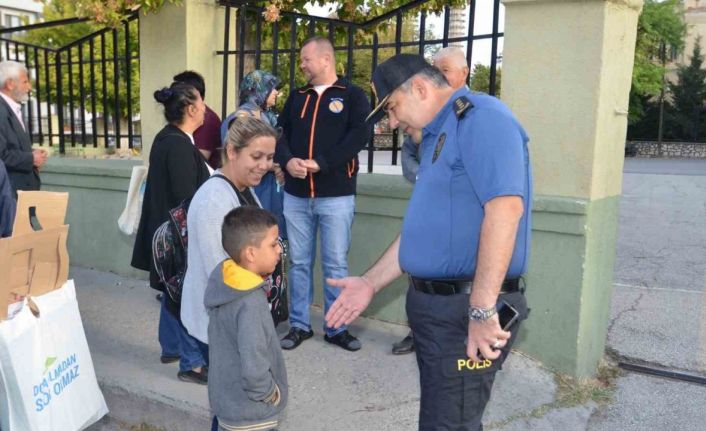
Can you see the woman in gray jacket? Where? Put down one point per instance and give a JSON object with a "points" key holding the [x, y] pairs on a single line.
{"points": [[247, 156]]}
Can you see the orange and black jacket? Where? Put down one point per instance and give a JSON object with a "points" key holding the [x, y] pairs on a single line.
{"points": [[330, 129]]}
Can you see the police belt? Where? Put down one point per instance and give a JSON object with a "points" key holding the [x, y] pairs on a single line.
{"points": [[453, 287]]}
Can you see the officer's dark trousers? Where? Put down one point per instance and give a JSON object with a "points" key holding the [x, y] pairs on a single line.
{"points": [[454, 389]]}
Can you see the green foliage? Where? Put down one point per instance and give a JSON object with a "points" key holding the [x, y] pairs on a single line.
{"points": [[356, 10], [60, 36], [113, 12], [686, 106], [660, 22], [480, 79]]}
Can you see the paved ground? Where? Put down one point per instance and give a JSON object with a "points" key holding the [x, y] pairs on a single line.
{"points": [[331, 389], [658, 312], [660, 273]]}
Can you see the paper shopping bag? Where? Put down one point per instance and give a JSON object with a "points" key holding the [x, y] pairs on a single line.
{"points": [[47, 378]]}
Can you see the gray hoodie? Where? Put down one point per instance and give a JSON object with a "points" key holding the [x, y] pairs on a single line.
{"points": [[246, 364]]}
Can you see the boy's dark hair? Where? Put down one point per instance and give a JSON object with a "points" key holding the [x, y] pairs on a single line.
{"points": [[245, 226], [194, 79]]}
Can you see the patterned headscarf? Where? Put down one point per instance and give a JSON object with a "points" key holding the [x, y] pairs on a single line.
{"points": [[256, 86]]}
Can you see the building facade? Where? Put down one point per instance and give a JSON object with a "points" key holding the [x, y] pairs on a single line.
{"points": [[14, 13]]}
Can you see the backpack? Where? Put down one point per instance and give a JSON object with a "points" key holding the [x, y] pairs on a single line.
{"points": [[169, 252], [277, 297], [169, 246], [170, 243]]}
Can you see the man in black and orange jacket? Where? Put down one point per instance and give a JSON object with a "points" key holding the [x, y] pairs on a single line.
{"points": [[323, 129]]}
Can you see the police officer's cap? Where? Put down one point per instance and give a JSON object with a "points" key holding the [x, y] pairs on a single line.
{"points": [[389, 75]]}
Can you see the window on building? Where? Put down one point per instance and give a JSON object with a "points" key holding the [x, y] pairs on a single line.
{"points": [[11, 20]]}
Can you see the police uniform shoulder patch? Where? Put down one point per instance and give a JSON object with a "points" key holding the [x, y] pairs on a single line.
{"points": [[461, 105], [439, 146]]}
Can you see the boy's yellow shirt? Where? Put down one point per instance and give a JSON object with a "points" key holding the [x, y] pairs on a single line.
{"points": [[238, 278]]}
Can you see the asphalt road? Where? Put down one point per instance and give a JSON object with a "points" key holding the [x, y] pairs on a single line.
{"points": [[665, 166], [660, 270]]}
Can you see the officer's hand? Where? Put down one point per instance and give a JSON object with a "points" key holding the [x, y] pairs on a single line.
{"points": [[482, 336], [356, 294], [296, 168]]}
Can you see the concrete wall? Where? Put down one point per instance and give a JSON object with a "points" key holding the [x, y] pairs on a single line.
{"points": [[577, 128], [97, 193], [193, 31]]}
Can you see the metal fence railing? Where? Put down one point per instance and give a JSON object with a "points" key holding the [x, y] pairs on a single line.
{"points": [[359, 46], [85, 93]]}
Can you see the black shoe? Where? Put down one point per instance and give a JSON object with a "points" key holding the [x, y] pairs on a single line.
{"points": [[158, 297], [294, 338], [345, 340], [405, 346], [192, 376], [168, 359]]}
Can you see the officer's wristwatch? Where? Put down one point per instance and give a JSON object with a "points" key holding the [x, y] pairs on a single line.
{"points": [[477, 314]]}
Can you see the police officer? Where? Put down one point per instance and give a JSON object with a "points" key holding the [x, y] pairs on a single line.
{"points": [[464, 241]]}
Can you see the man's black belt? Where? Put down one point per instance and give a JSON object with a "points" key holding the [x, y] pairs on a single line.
{"points": [[453, 287]]}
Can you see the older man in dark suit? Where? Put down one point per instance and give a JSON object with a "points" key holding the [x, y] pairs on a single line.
{"points": [[16, 152]]}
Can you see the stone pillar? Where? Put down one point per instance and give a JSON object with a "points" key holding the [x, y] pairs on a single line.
{"points": [[567, 69], [177, 38]]}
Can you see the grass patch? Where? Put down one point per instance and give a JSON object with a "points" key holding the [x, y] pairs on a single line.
{"points": [[572, 392]]}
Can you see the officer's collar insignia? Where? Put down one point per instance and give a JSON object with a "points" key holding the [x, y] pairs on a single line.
{"points": [[461, 105], [439, 146]]}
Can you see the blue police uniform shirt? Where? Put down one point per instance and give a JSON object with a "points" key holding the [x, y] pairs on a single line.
{"points": [[465, 162]]}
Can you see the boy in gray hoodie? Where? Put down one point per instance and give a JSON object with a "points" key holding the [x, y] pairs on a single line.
{"points": [[247, 386]]}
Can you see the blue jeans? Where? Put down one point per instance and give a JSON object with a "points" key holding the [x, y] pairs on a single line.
{"points": [[175, 341], [168, 333], [194, 354], [333, 217]]}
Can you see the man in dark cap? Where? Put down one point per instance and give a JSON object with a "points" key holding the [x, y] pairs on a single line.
{"points": [[464, 241]]}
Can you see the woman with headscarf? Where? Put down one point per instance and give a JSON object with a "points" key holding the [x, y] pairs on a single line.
{"points": [[257, 97]]}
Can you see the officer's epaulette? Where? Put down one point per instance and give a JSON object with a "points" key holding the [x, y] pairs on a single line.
{"points": [[461, 105]]}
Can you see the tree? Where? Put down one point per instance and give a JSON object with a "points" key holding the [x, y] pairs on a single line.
{"points": [[60, 36], [687, 102], [114, 12], [660, 23], [480, 79]]}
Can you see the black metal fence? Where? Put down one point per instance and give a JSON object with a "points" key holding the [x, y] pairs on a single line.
{"points": [[359, 47], [85, 93]]}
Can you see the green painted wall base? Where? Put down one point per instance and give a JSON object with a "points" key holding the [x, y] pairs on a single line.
{"points": [[569, 282], [97, 192]]}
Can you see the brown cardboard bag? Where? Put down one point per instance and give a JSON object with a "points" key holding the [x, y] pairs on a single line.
{"points": [[34, 262], [50, 209]]}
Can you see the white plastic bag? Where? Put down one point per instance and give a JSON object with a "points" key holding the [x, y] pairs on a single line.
{"points": [[47, 380], [129, 220]]}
